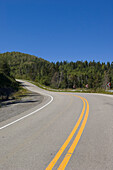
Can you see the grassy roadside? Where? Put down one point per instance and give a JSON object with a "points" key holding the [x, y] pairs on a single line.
{"points": [[16, 96], [79, 90], [22, 92]]}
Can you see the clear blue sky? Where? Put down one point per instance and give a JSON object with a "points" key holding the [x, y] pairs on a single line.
{"points": [[58, 29]]}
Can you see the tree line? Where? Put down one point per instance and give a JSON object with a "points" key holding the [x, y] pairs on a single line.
{"points": [[60, 74], [8, 85]]}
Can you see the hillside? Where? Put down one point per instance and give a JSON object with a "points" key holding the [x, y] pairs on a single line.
{"points": [[8, 85], [26, 66], [60, 74]]}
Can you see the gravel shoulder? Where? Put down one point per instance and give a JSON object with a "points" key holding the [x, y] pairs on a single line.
{"points": [[12, 108]]}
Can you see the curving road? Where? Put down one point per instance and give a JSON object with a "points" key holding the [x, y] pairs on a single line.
{"points": [[65, 131]]}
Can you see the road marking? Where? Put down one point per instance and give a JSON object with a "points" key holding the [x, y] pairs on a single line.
{"points": [[34, 134], [9, 124], [59, 153], [75, 142]]}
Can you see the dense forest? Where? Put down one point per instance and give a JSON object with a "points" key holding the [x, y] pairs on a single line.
{"points": [[8, 84], [57, 75]]}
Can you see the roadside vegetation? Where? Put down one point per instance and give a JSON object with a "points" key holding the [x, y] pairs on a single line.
{"points": [[8, 84], [22, 92], [77, 90], [78, 76]]}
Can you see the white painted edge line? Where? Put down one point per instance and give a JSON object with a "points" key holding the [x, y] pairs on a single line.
{"points": [[99, 94], [9, 124]]}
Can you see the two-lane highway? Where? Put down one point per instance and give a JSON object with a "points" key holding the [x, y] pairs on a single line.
{"points": [[68, 140], [65, 131]]}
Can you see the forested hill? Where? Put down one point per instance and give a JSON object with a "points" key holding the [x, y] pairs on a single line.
{"points": [[60, 74], [8, 84]]}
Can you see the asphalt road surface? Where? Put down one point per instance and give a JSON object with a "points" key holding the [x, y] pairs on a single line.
{"points": [[65, 131]]}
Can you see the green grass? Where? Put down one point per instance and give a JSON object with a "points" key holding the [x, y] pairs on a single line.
{"points": [[18, 95], [78, 90], [22, 92]]}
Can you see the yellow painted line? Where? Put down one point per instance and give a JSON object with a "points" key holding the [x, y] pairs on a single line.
{"points": [[75, 142], [59, 153], [30, 138]]}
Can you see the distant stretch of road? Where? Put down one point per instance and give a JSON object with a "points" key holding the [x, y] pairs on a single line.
{"points": [[72, 131]]}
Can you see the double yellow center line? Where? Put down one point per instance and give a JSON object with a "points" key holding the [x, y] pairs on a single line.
{"points": [[84, 113]]}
